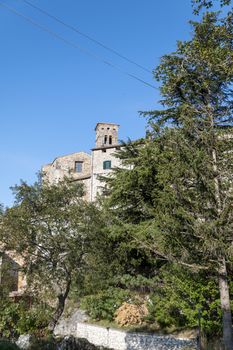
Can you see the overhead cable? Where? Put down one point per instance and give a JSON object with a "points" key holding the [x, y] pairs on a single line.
{"points": [[59, 37], [76, 30]]}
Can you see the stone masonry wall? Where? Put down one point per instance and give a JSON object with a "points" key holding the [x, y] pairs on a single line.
{"points": [[121, 340], [98, 158], [65, 166]]}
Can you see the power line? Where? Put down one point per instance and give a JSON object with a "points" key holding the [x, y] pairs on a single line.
{"points": [[87, 52], [76, 30]]}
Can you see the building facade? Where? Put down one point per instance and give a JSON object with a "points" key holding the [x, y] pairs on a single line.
{"points": [[87, 168]]}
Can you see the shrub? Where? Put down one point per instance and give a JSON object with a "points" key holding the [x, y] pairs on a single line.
{"points": [[6, 345], [176, 301], [130, 314], [16, 318], [103, 305]]}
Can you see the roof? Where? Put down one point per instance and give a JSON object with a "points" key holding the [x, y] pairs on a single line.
{"points": [[106, 124], [66, 155], [107, 147]]}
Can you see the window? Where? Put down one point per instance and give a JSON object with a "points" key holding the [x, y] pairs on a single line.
{"points": [[110, 140], [105, 139], [78, 167], [107, 164]]}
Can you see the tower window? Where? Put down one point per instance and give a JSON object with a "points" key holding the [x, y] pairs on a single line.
{"points": [[110, 140], [78, 167], [105, 139], [107, 164]]}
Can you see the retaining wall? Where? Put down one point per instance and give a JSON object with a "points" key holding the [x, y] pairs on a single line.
{"points": [[121, 340]]}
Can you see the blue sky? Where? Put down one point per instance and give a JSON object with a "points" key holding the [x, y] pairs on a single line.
{"points": [[52, 95]]}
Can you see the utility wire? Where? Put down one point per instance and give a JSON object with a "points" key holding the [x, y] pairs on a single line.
{"points": [[76, 30], [87, 52]]}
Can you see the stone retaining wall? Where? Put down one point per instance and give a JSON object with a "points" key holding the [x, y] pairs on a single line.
{"points": [[121, 340]]}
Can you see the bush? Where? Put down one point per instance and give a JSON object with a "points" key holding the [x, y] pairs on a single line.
{"points": [[6, 345], [176, 302], [16, 318], [103, 305], [130, 314]]}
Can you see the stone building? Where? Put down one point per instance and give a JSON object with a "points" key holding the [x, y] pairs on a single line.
{"points": [[85, 167], [11, 274]]}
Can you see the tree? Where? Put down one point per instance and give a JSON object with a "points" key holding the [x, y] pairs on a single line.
{"points": [[51, 227], [178, 195], [194, 211], [199, 4]]}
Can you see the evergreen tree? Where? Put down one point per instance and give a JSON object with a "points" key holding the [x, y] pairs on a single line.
{"points": [[194, 209], [198, 5]]}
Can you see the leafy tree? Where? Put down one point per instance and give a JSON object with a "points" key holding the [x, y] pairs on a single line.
{"points": [[51, 227]]}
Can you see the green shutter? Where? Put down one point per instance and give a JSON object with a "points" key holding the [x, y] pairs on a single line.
{"points": [[107, 164]]}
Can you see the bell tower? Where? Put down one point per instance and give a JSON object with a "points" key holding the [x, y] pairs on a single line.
{"points": [[106, 135]]}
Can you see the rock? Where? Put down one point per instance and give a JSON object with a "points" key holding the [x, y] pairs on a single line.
{"points": [[68, 325], [25, 341], [72, 343], [79, 316]]}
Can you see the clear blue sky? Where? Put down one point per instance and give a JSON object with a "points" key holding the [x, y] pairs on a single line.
{"points": [[52, 95]]}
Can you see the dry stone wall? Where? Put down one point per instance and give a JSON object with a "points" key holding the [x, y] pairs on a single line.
{"points": [[121, 340]]}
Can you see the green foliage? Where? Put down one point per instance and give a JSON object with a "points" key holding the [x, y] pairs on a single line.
{"points": [[51, 227], [198, 5], [6, 345], [172, 199], [180, 295], [103, 305], [18, 318]]}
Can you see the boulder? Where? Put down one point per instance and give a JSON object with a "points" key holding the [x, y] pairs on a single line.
{"points": [[25, 340]]}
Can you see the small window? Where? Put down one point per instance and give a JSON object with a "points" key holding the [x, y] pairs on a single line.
{"points": [[103, 150], [107, 164], [105, 139], [110, 140], [78, 167]]}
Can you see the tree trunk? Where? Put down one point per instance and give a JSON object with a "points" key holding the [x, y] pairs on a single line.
{"points": [[222, 273], [60, 307], [226, 306]]}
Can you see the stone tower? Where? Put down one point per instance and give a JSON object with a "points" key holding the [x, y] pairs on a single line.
{"points": [[103, 155], [106, 135]]}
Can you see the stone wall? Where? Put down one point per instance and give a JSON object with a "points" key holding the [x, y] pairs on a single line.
{"points": [[65, 167], [121, 340], [10, 271], [98, 158]]}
